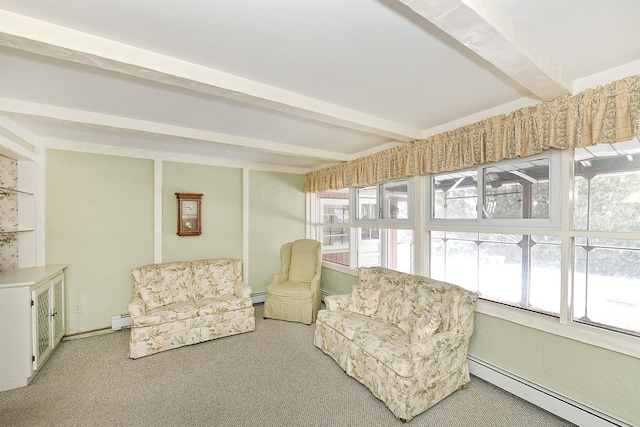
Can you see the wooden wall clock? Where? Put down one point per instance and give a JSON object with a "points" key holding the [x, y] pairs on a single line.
{"points": [[189, 214]]}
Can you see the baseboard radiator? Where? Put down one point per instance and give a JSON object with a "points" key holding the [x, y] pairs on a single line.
{"points": [[120, 321], [259, 297], [546, 399]]}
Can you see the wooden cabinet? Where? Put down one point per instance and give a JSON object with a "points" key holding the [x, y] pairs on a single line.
{"points": [[32, 321]]}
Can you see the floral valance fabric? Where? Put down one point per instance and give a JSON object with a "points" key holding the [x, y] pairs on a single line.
{"points": [[604, 115]]}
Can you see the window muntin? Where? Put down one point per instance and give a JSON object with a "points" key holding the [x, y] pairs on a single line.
{"points": [[519, 270]]}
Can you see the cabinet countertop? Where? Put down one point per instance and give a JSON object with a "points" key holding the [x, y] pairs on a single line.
{"points": [[29, 276]]}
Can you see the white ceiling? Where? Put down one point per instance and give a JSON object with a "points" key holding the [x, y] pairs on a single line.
{"points": [[292, 85]]}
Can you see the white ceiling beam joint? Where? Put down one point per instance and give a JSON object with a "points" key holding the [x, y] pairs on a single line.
{"points": [[482, 28]]}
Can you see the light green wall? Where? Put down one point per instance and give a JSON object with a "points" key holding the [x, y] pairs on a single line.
{"points": [[337, 283], [276, 216], [221, 211], [600, 378], [99, 221]]}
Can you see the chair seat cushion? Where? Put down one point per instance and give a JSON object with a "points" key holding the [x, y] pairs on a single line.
{"points": [[291, 290]]}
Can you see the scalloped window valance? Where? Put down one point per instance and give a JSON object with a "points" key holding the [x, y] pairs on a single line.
{"points": [[604, 115]]}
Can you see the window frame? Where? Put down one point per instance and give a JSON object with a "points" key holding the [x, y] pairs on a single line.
{"points": [[481, 223]]}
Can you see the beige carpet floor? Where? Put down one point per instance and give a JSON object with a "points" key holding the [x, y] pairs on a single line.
{"points": [[274, 376]]}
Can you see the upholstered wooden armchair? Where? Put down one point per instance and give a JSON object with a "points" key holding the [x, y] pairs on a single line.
{"points": [[294, 293]]}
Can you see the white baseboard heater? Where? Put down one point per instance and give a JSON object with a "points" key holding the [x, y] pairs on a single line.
{"points": [[546, 399], [258, 297], [120, 321]]}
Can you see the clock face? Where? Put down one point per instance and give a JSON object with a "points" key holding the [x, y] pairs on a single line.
{"points": [[189, 207]]}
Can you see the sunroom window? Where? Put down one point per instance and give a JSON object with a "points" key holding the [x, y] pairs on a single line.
{"points": [[517, 267], [333, 225], [607, 242]]}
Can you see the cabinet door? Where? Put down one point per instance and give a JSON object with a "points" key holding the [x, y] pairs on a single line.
{"points": [[57, 288], [42, 342]]}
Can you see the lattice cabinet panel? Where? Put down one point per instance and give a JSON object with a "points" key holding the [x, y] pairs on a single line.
{"points": [[31, 321]]}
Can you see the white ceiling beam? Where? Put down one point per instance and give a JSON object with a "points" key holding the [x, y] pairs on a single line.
{"points": [[89, 118], [43, 38], [482, 28]]}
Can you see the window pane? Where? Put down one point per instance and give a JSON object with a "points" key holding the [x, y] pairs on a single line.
{"points": [[607, 188], [462, 263], [334, 212], [607, 284], [520, 270], [544, 284], [395, 198], [454, 258], [455, 196], [517, 190], [388, 248], [368, 202], [501, 272]]}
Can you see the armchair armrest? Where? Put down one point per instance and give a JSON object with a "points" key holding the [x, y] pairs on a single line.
{"points": [[136, 307], [337, 302], [279, 278], [242, 290]]}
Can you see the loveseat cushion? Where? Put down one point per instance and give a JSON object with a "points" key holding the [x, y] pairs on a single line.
{"points": [[424, 326], [418, 300], [348, 323], [388, 282], [390, 346], [167, 313], [364, 301], [164, 284], [222, 305], [215, 277]]}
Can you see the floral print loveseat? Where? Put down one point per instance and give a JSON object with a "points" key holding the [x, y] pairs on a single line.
{"points": [[404, 337], [181, 303]]}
